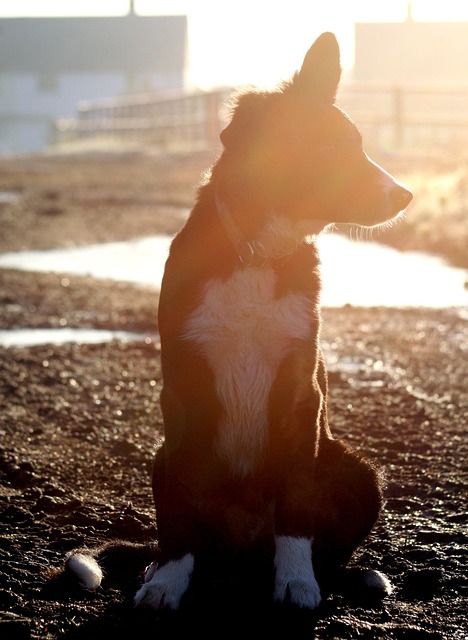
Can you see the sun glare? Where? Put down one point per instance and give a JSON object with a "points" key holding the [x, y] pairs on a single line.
{"points": [[254, 41], [262, 42]]}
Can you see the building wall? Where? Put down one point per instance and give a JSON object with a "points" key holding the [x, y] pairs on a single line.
{"points": [[411, 52], [48, 65]]}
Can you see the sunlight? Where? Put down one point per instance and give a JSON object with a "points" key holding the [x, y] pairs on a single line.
{"points": [[262, 42], [254, 41], [61, 8]]}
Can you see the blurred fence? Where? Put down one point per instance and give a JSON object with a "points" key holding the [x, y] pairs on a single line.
{"points": [[391, 118], [409, 117], [170, 121]]}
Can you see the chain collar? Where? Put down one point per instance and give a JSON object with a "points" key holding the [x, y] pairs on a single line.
{"points": [[244, 249]]}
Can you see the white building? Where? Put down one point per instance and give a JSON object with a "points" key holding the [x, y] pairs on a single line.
{"points": [[411, 52], [47, 65]]}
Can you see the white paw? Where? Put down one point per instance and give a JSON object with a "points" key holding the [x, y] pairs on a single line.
{"points": [[295, 581], [150, 571], [165, 586], [158, 595], [299, 593]]}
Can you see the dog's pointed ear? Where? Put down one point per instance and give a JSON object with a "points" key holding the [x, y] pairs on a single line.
{"points": [[321, 70]]}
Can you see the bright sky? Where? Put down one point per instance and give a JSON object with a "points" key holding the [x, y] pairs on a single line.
{"points": [[234, 42]]}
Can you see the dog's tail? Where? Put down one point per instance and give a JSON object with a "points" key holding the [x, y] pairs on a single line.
{"points": [[364, 584], [117, 563], [85, 568]]}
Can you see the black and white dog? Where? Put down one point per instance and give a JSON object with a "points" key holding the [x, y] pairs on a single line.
{"points": [[249, 467]]}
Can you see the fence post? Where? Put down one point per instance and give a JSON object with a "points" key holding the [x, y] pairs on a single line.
{"points": [[398, 124], [212, 100]]}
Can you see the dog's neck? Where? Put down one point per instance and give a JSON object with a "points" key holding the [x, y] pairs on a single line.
{"points": [[244, 249], [279, 239]]}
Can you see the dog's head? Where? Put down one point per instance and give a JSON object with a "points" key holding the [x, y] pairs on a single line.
{"points": [[295, 153]]}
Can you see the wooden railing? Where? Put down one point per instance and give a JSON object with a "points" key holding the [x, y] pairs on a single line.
{"points": [[392, 118], [171, 121], [402, 117]]}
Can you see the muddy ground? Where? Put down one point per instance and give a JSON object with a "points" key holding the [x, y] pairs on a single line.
{"points": [[79, 424]]}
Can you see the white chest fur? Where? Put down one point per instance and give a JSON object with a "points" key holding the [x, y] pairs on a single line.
{"points": [[245, 331]]}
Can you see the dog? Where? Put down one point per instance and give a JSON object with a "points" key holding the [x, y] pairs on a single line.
{"points": [[249, 473]]}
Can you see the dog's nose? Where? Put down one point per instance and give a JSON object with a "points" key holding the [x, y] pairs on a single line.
{"points": [[401, 197]]}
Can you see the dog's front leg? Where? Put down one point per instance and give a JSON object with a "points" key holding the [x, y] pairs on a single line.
{"points": [[295, 582], [165, 583]]}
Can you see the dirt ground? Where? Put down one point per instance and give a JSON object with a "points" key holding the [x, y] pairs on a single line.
{"points": [[79, 424]]}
